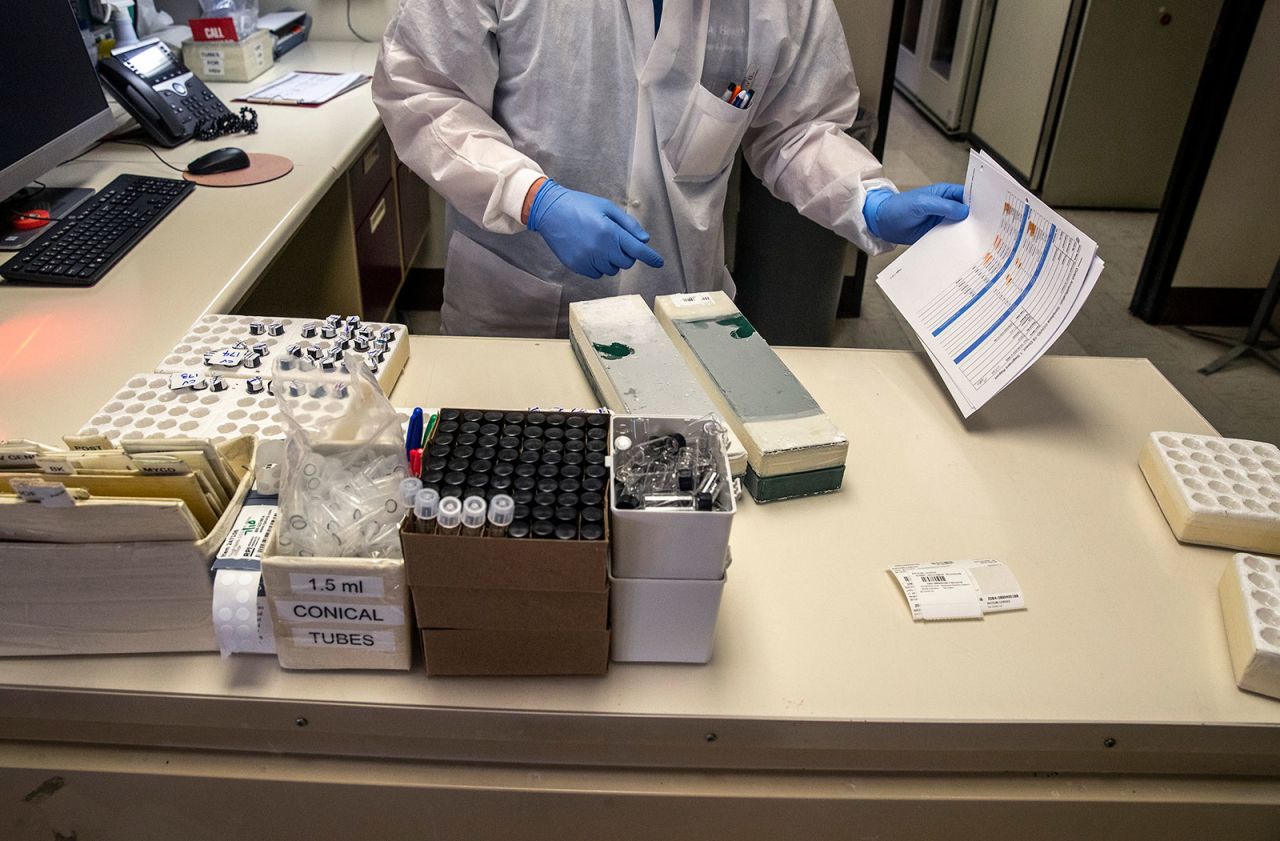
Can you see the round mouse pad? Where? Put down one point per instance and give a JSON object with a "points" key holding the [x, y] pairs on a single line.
{"points": [[262, 168]]}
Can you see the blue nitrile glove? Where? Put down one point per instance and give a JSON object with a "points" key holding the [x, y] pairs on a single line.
{"points": [[905, 217], [590, 235]]}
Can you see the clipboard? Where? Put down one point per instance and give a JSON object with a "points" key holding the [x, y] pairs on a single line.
{"points": [[304, 88]]}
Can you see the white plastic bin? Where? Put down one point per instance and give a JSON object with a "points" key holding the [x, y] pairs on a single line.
{"points": [[663, 542], [664, 620]]}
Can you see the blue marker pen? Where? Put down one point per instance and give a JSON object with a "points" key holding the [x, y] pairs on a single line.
{"points": [[413, 438]]}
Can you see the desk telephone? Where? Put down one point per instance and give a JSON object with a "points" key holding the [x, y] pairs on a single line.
{"points": [[158, 91]]}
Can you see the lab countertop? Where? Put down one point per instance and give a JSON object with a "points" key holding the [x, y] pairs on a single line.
{"points": [[817, 662], [65, 351]]}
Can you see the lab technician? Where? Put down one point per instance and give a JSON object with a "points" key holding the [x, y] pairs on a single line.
{"points": [[584, 146]]}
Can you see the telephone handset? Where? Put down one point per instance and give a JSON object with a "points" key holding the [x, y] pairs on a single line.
{"points": [[158, 91]]}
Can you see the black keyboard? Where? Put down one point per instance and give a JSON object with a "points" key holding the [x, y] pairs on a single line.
{"points": [[79, 250]]}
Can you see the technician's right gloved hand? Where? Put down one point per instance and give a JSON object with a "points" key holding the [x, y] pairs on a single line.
{"points": [[590, 235]]}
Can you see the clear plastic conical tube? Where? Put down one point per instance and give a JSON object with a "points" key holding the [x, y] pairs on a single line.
{"points": [[426, 506]]}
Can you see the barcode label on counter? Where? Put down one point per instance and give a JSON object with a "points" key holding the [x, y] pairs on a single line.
{"points": [[958, 589]]}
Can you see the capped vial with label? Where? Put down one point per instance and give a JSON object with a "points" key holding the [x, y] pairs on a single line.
{"points": [[473, 514], [426, 505], [449, 515], [501, 512]]}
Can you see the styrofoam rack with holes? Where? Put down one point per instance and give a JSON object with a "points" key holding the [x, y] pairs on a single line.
{"points": [[213, 333], [147, 408], [1216, 491], [1250, 594]]}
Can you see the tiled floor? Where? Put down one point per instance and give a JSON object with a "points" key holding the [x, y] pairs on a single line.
{"points": [[1242, 401]]}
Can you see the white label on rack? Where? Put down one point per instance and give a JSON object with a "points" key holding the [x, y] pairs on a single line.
{"points": [[958, 589], [362, 614], [184, 379], [310, 584], [347, 638], [697, 299], [225, 358]]}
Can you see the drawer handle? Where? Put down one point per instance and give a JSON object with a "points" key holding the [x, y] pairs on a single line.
{"points": [[375, 218], [371, 158]]}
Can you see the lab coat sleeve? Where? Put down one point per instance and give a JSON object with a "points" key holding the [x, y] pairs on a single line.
{"points": [[434, 87], [796, 143]]}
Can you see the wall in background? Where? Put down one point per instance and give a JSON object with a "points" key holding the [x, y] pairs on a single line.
{"points": [[1022, 58], [1234, 239]]}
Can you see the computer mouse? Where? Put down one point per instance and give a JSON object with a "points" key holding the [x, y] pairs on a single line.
{"points": [[227, 159]]}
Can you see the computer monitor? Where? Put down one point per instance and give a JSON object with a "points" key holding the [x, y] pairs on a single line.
{"points": [[51, 102]]}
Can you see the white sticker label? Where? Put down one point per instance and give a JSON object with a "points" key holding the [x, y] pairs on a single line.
{"points": [[226, 358], [958, 589], [698, 299], [57, 466], [183, 380], [304, 583], [371, 614], [240, 615], [249, 535], [212, 62], [364, 640]]}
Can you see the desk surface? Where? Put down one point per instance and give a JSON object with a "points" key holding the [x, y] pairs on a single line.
{"points": [[66, 350], [817, 663]]}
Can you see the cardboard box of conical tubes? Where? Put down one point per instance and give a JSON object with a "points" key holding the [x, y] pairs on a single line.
{"points": [[520, 603]]}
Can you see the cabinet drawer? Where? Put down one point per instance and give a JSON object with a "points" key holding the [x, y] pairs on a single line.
{"points": [[378, 256], [415, 213], [369, 175]]}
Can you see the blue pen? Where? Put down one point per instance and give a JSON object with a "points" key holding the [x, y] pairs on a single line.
{"points": [[413, 440]]}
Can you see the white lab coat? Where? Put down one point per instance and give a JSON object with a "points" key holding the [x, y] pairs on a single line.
{"points": [[483, 97]]}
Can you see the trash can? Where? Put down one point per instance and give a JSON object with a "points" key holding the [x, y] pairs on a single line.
{"points": [[789, 270]]}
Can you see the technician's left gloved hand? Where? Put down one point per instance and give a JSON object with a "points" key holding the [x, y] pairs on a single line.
{"points": [[905, 217]]}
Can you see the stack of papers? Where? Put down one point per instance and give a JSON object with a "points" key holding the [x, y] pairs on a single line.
{"points": [[989, 295], [304, 88]]}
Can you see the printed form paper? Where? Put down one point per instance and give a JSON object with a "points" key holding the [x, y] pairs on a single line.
{"points": [[989, 295], [305, 88]]}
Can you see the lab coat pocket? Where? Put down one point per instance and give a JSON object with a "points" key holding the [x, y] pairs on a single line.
{"points": [[708, 135], [484, 295]]}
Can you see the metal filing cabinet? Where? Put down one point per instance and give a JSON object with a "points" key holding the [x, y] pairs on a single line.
{"points": [[355, 247], [378, 256], [413, 198]]}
